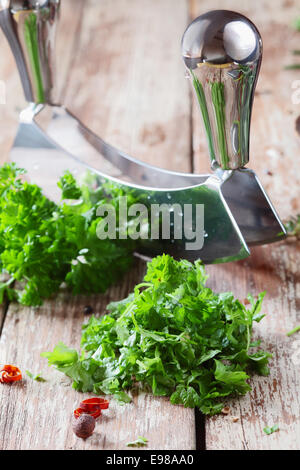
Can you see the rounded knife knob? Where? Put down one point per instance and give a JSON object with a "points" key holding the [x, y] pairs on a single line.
{"points": [[29, 26], [222, 51]]}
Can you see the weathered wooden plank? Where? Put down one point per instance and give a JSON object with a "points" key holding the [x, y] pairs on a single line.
{"points": [[26, 333], [68, 35], [38, 415], [274, 399], [71, 14], [127, 80]]}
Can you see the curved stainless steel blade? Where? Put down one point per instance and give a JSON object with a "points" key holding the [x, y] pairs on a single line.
{"points": [[252, 209], [50, 140]]}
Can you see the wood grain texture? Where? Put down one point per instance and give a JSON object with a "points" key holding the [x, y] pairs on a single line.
{"points": [[115, 85], [275, 268], [39, 415], [274, 399], [71, 15], [128, 81]]}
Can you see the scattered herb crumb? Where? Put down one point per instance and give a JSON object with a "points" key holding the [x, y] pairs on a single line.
{"points": [[293, 226], [139, 442], [297, 125], [296, 24], [270, 429], [36, 377], [294, 330]]}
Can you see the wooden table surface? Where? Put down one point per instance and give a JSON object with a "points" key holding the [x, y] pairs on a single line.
{"points": [[120, 71]]}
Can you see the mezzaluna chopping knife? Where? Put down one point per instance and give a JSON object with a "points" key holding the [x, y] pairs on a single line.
{"points": [[222, 51]]}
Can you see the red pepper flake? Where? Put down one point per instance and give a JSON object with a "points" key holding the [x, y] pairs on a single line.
{"points": [[80, 411], [92, 407], [9, 374], [92, 404]]}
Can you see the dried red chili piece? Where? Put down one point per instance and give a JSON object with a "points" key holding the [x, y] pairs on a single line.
{"points": [[92, 404], [9, 374], [80, 411]]}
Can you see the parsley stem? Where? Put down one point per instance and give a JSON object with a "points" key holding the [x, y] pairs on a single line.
{"points": [[292, 67], [294, 330], [128, 309], [9, 282], [248, 338]]}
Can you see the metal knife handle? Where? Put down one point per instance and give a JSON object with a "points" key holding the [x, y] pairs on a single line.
{"points": [[29, 26], [222, 51]]}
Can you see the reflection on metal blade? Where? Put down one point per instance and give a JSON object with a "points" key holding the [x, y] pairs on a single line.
{"points": [[252, 209], [236, 211]]}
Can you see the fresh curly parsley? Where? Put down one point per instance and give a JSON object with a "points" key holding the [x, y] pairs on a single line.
{"points": [[43, 244], [174, 337]]}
